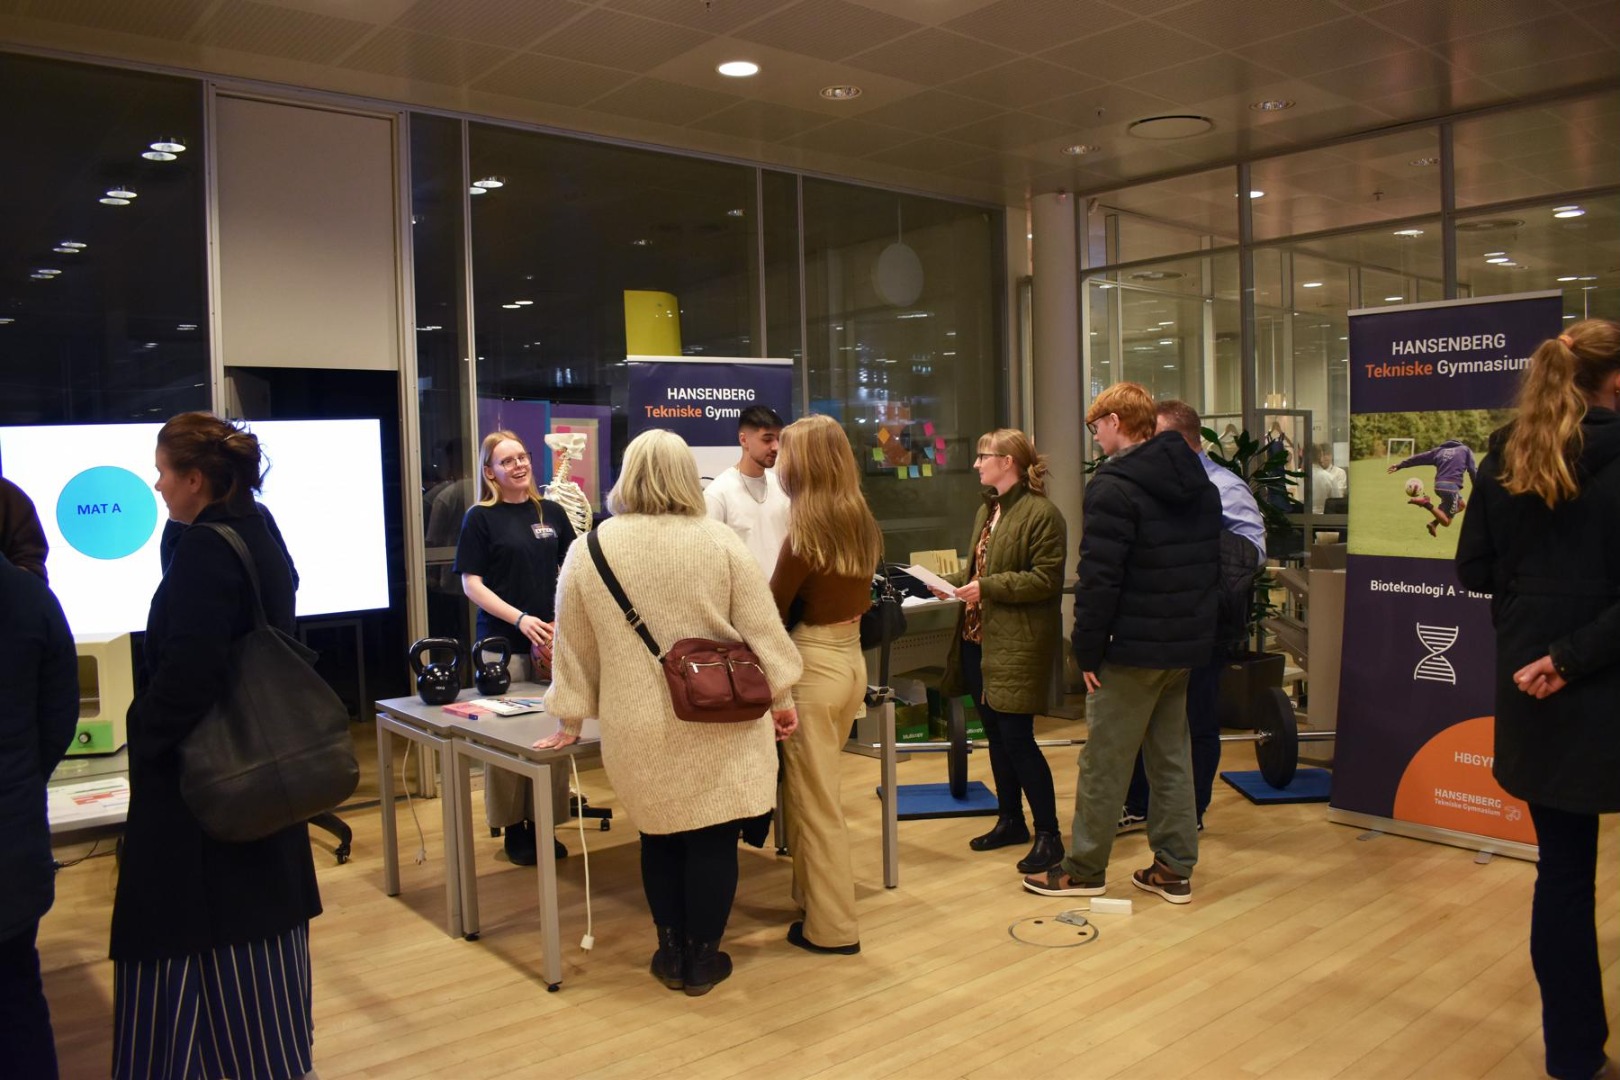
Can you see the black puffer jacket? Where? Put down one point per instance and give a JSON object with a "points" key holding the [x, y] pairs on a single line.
{"points": [[1554, 576], [1149, 549]]}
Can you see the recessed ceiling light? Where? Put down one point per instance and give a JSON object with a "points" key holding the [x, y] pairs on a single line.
{"points": [[76, 245], [1168, 322], [1571, 277], [1408, 232], [1393, 299], [7, 321], [66, 250], [842, 92], [1587, 277], [523, 303], [490, 182], [1567, 211], [47, 272], [640, 242], [477, 191], [1423, 162], [738, 69], [1167, 341], [186, 326], [1079, 149], [1256, 194], [512, 307], [1493, 254], [1273, 105], [159, 155], [110, 201], [735, 213], [42, 277], [1499, 260], [120, 193], [169, 145], [1310, 284]]}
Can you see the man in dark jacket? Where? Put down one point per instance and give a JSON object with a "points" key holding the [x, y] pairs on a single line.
{"points": [[21, 536], [37, 717], [1144, 614]]}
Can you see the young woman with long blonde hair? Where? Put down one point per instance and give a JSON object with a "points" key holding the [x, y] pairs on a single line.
{"points": [[822, 585], [1542, 536]]}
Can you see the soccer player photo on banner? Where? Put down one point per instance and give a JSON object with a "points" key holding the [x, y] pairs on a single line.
{"points": [[1429, 383]]}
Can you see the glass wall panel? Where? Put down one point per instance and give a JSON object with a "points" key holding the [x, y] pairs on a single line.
{"points": [[906, 348], [1303, 294], [1383, 179], [448, 445], [580, 253], [1567, 146], [1173, 327], [103, 296], [1187, 213], [1573, 246], [780, 225]]}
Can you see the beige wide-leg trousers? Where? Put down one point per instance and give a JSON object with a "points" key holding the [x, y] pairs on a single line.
{"points": [[509, 797], [827, 697]]}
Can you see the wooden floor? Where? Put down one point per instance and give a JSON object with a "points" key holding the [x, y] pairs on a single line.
{"points": [[1308, 951]]}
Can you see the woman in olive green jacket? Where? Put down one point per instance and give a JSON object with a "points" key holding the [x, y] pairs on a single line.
{"points": [[1009, 634]]}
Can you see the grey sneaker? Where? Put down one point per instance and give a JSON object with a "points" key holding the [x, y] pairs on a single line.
{"points": [[1160, 879], [1129, 822], [1055, 882]]}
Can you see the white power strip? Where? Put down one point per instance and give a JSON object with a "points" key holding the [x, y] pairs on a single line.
{"points": [[1102, 905]]}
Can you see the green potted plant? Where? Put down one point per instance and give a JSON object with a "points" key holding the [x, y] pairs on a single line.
{"points": [[1246, 678]]}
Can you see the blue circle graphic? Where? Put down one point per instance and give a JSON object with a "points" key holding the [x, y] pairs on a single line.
{"points": [[106, 512]]}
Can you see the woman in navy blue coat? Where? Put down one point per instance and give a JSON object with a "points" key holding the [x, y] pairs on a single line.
{"points": [[1542, 536], [210, 940]]}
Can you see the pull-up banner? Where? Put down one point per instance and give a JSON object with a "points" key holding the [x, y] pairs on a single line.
{"points": [[1416, 727], [701, 398]]}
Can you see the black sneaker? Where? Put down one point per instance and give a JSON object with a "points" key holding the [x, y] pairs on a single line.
{"points": [[1130, 822], [519, 842]]}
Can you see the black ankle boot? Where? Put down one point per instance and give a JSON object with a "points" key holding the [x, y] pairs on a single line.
{"points": [[669, 962], [705, 966], [519, 843], [1005, 833], [1045, 853]]}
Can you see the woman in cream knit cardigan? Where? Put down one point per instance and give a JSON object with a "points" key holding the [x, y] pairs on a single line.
{"points": [[688, 787]]}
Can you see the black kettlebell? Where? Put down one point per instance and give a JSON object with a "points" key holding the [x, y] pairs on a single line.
{"points": [[491, 677], [436, 683]]}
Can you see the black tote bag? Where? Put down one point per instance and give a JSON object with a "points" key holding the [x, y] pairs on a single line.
{"points": [[275, 749]]}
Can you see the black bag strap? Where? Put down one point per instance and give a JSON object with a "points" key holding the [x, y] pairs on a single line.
{"points": [[233, 538], [613, 586]]}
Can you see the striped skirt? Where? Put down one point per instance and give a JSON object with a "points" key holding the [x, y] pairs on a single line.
{"points": [[238, 1011]]}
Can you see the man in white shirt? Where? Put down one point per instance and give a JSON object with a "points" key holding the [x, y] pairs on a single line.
{"points": [[748, 496]]}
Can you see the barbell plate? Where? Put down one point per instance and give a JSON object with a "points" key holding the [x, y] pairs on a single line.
{"points": [[1277, 751]]}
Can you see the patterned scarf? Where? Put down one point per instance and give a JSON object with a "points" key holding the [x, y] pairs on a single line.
{"points": [[973, 620]]}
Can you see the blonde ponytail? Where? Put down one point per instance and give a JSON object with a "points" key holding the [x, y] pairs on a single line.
{"points": [[1545, 441]]}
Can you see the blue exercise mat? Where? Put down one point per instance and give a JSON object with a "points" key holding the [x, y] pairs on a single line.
{"points": [[1308, 785], [934, 801]]}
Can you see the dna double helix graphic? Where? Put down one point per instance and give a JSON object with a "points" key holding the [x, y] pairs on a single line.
{"points": [[1434, 667]]}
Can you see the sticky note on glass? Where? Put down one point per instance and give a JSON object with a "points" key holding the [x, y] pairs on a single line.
{"points": [[914, 472], [883, 435], [929, 450], [902, 472], [940, 458], [877, 453], [928, 470], [928, 428], [939, 444]]}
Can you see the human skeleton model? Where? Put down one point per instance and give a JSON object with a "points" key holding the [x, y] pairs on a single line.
{"points": [[567, 448]]}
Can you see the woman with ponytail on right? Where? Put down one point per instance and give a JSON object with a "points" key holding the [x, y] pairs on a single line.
{"points": [[1542, 535]]}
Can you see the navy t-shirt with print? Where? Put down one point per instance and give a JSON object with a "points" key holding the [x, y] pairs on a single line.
{"points": [[517, 549]]}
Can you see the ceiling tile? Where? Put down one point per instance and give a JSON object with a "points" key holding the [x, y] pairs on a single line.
{"points": [[1604, 20], [851, 138], [1571, 71], [1429, 22], [1032, 25], [1415, 69], [1200, 80], [1129, 50], [1461, 93], [269, 30], [610, 39], [549, 78], [155, 18], [407, 55], [1010, 130], [1230, 25], [1552, 38], [1325, 124], [1001, 169], [826, 29], [510, 24], [1103, 108], [931, 111], [1337, 44], [1022, 82], [760, 120], [932, 56], [662, 102], [710, 18], [928, 154]]}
